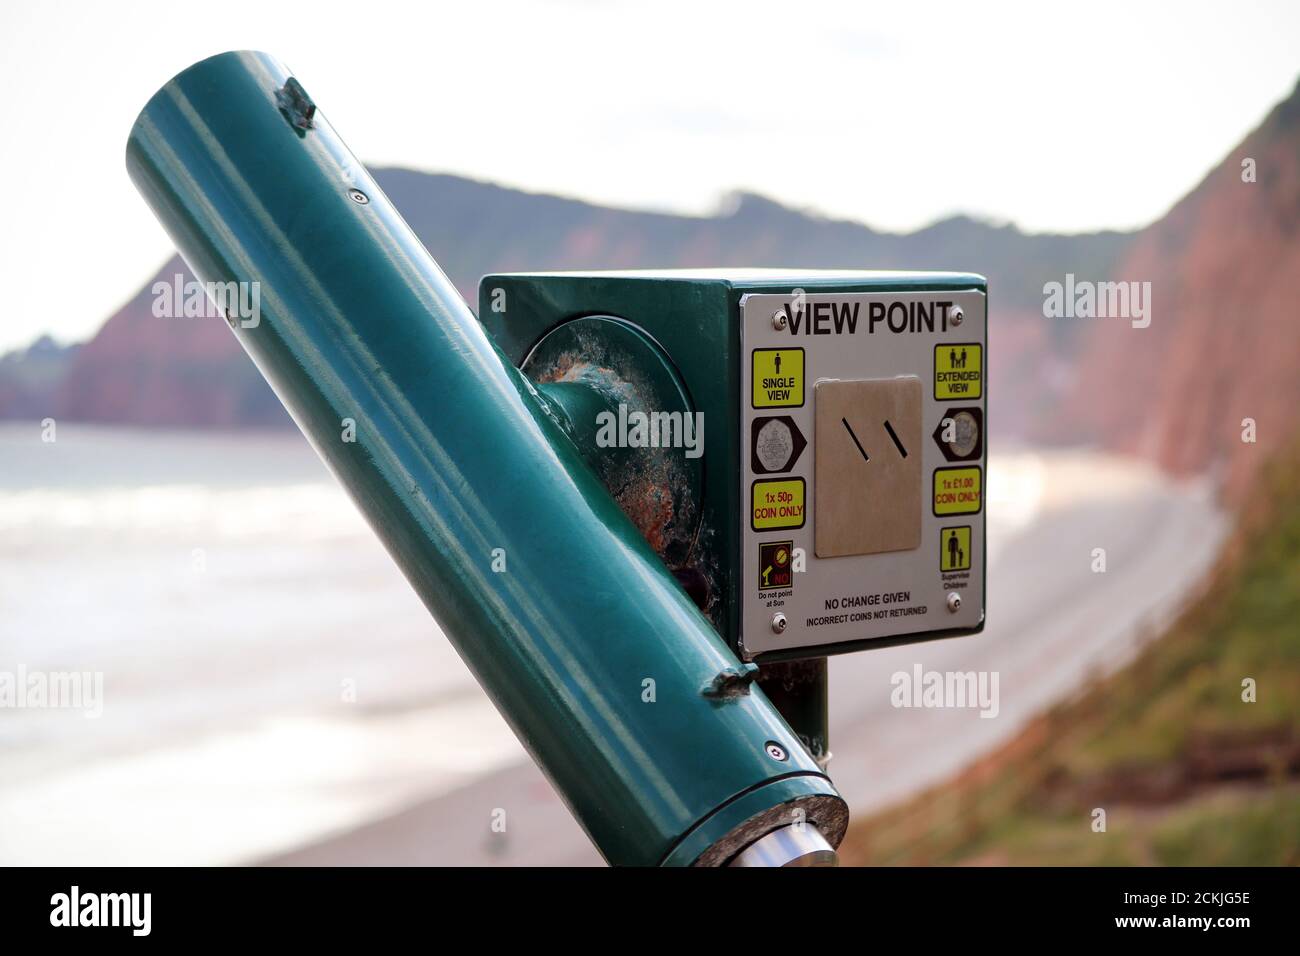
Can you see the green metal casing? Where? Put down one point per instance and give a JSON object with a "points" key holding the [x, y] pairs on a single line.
{"points": [[695, 316], [454, 457]]}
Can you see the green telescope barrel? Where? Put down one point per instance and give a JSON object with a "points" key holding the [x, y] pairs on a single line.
{"points": [[583, 639]]}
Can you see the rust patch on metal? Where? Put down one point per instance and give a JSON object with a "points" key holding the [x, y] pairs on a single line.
{"points": [[732, 683], [650, 506], [650, 484]]}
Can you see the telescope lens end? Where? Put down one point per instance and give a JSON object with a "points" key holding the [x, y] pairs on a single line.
{"points": [[789, 846]]}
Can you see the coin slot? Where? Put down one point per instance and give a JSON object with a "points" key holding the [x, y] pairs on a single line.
{"points": [[894, 435], [865, 456], [871, 510]]}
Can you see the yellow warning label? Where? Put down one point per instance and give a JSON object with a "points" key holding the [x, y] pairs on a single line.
{"points": [[778, 378], [777, 504], [958, 371], [957, 491], [954, 549]]}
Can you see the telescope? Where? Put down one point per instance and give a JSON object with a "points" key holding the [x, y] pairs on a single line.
{"points": [[644, 506]]}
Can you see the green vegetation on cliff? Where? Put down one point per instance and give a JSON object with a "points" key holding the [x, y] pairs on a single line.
{"points": [[1187, 772]]}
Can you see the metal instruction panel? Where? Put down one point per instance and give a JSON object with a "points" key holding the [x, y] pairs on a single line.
{"points": [[863, 467]]}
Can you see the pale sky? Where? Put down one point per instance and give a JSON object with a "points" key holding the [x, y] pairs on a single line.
{"points": [[1055, 117]]}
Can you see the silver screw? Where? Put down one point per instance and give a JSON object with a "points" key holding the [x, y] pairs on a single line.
{"points": [[955, 316], [954, 602], [357, 196], [778, 622], [776, 751], [779, 320]]}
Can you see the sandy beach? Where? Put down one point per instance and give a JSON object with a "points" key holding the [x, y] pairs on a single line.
{"points": [[1053, 623], [273, 690]]}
